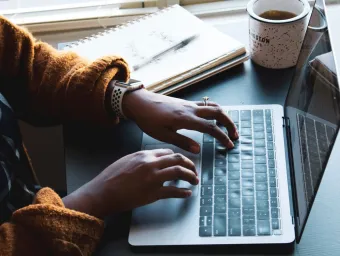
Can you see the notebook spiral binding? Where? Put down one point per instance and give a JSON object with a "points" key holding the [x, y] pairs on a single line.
{"points": [[114, 29]]}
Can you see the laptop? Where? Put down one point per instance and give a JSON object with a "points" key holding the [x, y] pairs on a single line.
{"points": [[262, 190]]}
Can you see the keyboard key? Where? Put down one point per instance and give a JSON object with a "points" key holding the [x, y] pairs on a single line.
{"points": [[221, 200], [235, 150], [245, 124], [246, 132], [220, 225], [206, 190], [234, 193], [220, 208], [269, 136], [234, 227], [247, 173], [259, 127], [248, 212], [234, 115], [261, 186], [249, 230], [270, 145], [233, 175], [271, 154], [220, 148], [271, 163], [258, 120], [247, 183], [234, 184], [259, 143], [245, 115], [205, 211], [234, 213], [220, 190], [272, 172], [202, 223], [220, 163], [206, 201], [246, 148], [247, 164], [248, 202], [208, 138], [259, 135], [220, 171], [233, 166], [220, 155], [268, 113], [262, 205], [275, 224], [233, 158], [247, 155], [273, 192], [263, 228], [209, 221], [207, 177], [246, 140], [260, 160], [258, 112], [260, 168], [207, 163], [275, 212], [272, 182], [220, 180], [234, 203], [273, 202], [263, 215], [248, 221], [262, 195], [261, 177], [248, 191], [260, 151], [269, 129], [205, 231]]}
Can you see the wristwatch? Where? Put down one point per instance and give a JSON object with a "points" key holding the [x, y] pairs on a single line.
{"points": [[119, 89]]}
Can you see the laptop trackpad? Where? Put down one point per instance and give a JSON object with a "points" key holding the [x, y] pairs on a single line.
{"points": [[193, 157]]}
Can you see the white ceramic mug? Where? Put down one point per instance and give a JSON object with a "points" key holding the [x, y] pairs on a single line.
{"points": [[277, 43]]}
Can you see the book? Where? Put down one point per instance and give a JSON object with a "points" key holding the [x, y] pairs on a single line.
{"points": [[140, 39]]}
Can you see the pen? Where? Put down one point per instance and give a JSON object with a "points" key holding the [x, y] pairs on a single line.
{"points": [[174, 47]]}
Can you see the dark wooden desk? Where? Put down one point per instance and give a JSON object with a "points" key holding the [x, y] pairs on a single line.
{"points": [[87, 154]]}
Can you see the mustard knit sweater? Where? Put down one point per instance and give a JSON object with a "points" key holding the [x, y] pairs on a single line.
{"points": [[43, 84]]}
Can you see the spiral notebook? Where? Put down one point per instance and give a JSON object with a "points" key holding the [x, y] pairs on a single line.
{"points": [[139, 40]]}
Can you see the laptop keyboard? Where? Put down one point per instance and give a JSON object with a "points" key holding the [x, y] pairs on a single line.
{"points": [[315, 140], [239, 192]]}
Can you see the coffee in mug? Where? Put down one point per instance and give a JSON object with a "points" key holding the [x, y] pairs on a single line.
{"points": [[276, 31]]}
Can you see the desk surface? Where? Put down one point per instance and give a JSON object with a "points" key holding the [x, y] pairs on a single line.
{"points": [[247, 84]]}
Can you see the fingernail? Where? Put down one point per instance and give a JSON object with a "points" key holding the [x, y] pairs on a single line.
{"points": [[236, 135], [195, 149], [188, 193], [230, 144]]}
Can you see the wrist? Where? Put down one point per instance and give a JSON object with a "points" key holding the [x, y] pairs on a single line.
{"points": [[131, 102]]}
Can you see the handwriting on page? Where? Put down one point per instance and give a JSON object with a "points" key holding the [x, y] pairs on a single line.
{"points": [[138, 53]]}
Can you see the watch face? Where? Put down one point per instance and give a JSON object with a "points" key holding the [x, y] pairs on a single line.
{"points": [[133, 82]]}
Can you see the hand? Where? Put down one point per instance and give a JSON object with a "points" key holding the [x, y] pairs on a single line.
{"points": [[161, 117], [133, 181]]}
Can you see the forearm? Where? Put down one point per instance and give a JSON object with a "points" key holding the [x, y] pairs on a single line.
{"points": [[43, 82], [47, 226]]}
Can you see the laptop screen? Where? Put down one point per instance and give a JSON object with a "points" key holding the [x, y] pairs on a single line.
{"points": [[312, 108]]}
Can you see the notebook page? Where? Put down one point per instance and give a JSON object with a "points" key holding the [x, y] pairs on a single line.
{"points": [[143, 39]]}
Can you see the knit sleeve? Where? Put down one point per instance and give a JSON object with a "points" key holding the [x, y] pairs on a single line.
{"points": [[47, 228], [45, 85]]}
